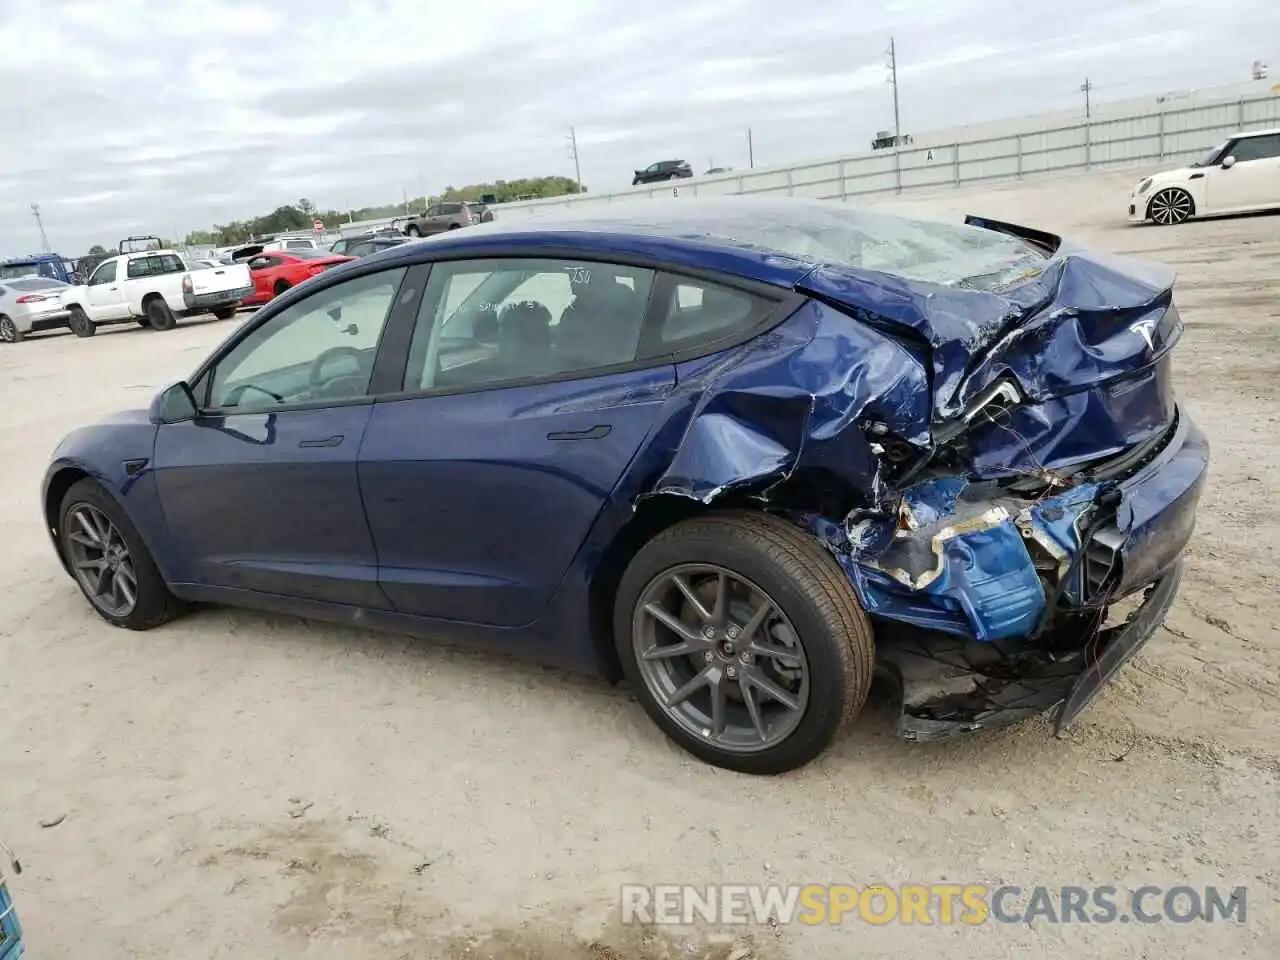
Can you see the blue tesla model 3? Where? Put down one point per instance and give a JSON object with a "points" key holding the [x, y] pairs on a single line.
{"points": [[744, 453]]}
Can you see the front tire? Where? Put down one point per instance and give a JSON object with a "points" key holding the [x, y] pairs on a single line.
{"points": [[109, 561], [412, 231], [1171, 206], [80, 323], [9, 332], [744, 641], [159, 316]]}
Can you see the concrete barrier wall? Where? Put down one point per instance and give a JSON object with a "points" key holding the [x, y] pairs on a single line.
{"points": [[1146, 133]]}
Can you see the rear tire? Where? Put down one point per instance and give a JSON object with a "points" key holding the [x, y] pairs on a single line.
{"points": [[9, 332], [281, 286], [159, 316], [224, 313], [810, 592], [153, 603], [412, 230], [80, 323], [454, 226]]}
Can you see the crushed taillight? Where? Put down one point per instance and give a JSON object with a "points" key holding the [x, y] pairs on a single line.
{"points": [[32, 298]]}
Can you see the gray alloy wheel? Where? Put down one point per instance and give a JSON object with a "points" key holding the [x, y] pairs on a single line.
{"points": [[1171, 206], [9, 331], [101, 561], [720, 656]]}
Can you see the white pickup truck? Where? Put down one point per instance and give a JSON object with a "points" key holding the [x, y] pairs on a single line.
{"points": [[154, 288]]}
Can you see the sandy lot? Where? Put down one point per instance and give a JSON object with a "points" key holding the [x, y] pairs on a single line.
{"points": [[238, 784]]}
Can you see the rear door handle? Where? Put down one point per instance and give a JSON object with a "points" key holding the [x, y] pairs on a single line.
{"points": [[333, 441], [598, 432]]}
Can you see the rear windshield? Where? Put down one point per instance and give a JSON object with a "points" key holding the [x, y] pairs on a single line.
{"points": [[310, 253], [822, 232], [36, 283], [12, 271]]}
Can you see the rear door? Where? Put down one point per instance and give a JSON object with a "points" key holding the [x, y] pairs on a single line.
{"points": [[519, 417]]}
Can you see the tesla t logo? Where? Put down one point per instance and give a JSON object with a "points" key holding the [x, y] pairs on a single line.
{"points": [[1146, 330]]}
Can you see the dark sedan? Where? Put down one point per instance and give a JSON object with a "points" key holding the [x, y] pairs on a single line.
{"points": [[661, 171], [743, 453]]}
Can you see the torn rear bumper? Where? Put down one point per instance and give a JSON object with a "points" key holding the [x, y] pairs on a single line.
{"points": [[949, 685], [954, 682]]}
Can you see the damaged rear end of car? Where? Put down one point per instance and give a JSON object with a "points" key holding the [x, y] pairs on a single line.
{"points": [[979, 423]]}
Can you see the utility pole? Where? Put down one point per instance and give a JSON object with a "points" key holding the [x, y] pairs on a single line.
{"points": [[897, 123], [44, 239], [751, 153], [573, 152], [1085, 88]]}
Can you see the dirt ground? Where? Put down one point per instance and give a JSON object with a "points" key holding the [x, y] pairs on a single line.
{"points": [[251, 785]]}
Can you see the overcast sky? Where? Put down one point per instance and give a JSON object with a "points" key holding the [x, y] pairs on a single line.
{"points": [[161, 116]]}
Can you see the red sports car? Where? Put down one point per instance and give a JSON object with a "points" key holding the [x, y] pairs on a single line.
{"points": [[275, 271]]}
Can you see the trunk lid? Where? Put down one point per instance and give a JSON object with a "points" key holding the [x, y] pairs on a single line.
{"points": [[1042, 364]]}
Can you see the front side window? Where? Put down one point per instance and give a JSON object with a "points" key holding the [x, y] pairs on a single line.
{"points": [[504, 321], [104, 274], [1257, 148], [321, 348]]}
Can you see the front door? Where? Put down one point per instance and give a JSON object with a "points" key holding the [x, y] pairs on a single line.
{"points": [[1253, 181], [481, 489], [261, 489], [262, 276], [105, 294]]}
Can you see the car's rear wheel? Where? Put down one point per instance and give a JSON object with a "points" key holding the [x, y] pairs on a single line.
{"points": [[1171, 206], [224, 313], [744, 641], [454, 226], [281, 286], [80, 323], [159, 316], [9, 332], [412, 230], [110, 562]]}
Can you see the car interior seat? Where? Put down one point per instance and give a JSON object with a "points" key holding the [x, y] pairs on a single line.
{"points": [[524, 339], [600, 326]]}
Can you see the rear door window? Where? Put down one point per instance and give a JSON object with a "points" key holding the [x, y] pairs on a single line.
{"points": [[692, 313]]}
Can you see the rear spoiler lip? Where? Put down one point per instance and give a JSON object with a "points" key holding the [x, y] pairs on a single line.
{"points": [[1050, 243]]}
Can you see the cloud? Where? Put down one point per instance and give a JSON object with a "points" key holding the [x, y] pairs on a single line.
{"points": [[128, 114]]}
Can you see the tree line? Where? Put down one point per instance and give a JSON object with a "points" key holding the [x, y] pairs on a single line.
{"points": [[299, 215]]}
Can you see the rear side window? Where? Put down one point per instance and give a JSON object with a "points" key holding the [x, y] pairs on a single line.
{"points": [[298, 245], [694, 312], [140, 267]]}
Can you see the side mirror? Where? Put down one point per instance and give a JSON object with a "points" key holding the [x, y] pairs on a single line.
{"points": [[174, 404], [1228, 162]]}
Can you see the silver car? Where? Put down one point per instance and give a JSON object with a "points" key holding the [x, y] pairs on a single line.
{"points": [[31, 304]]}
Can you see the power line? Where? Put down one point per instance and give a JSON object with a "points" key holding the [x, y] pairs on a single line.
{"points": [[1086, 88]]}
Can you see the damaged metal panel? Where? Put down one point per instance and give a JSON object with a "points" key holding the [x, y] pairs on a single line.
{"points": [[992, 462]]}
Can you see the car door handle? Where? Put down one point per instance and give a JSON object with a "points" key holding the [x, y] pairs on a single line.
{"points": [[335, 440], [598, 432]]}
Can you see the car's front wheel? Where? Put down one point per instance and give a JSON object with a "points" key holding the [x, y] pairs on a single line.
{"points": [[1171, 206], [110, 562], [744, 641]]}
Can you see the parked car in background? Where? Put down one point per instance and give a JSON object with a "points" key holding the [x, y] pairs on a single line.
{"points": [[363, 246], [50, 265], [272, 272], [662, 170], [448, 215], [386, 233], [30, 305], [715, 170], [153, 288], [790, 445], [1241, 175]]}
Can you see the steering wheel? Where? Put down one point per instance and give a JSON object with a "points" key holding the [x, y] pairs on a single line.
{"points": [[315, 376]]}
